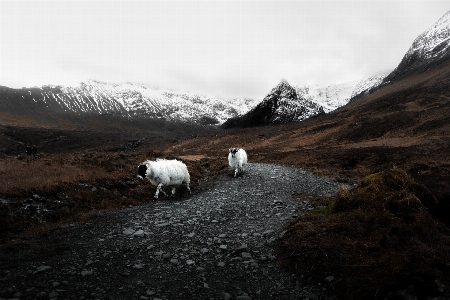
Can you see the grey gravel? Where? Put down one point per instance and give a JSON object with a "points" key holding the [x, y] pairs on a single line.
{"points": [[215, 244]]}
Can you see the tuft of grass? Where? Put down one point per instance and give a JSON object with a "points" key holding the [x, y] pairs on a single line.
{"points": [[375, 239], [393, 190]]}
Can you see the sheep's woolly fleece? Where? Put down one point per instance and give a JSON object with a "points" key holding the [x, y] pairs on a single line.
{"points": [[237, 159], [164, 172]]}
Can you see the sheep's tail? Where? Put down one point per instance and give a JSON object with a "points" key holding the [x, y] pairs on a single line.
{"points": [[187, 176]]}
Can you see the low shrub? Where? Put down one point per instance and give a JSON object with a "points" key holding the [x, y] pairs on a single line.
{"points": [[380, 237]]}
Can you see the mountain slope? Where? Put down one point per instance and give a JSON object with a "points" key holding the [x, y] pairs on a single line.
{"points": [[282, 105], [127, 100], [334, 96], [428, 50]]}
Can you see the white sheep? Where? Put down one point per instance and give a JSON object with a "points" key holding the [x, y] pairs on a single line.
{"points": [[164, 172], [237, 159]]}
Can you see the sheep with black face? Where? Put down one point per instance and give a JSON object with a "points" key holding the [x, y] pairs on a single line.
{"points": [[164, 172], [237, 159]]}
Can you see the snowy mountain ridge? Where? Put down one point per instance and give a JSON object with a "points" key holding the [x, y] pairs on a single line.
{"points": [[433, 42], [283, 104], [131, 100], [334, 96], [428, 50]]}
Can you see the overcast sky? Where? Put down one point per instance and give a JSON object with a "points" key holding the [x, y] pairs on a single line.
{"points": [[226, 49]]}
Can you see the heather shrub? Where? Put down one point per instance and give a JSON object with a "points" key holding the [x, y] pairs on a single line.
{"points": [[376, 238]]}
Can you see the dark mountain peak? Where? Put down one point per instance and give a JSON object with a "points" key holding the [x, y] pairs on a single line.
{"points": [[281, 105], [284, 90]]}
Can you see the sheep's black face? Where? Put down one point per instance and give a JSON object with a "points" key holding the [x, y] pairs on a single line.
{"points": [[142, 171], [233, 151]]}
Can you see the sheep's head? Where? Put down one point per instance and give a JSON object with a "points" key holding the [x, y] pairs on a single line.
{"points": [[142, 171], [233, 151]]}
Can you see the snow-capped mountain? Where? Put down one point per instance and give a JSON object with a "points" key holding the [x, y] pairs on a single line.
{"points": [[129, 100], [428, 49], [282, 105], [132, 100], [434, 42], [334, 96]]}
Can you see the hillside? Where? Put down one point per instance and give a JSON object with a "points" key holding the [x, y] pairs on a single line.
{"points": [[404, 125]]}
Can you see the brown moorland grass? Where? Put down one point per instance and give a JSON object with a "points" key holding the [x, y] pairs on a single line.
{"points": [[19, 177], [374, 239], [76, 186]]}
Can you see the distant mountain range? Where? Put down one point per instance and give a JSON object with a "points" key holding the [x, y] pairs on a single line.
{"points": [[284, 103], [128, 100], [131, 100]]}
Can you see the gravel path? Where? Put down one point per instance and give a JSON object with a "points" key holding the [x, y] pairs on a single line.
{"points": [[214, 244]]}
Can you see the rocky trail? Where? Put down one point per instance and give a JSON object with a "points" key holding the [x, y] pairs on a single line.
{"points": [[213, 244]]}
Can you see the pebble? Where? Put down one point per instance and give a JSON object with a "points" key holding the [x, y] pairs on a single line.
{"points": [[53, 295], [86, 273], [43, 268], [128, 231], [139, 233]]}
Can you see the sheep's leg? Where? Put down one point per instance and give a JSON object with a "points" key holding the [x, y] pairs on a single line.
{"points": [[173, 191], [159, 189], [238, 170], [189, 189]]}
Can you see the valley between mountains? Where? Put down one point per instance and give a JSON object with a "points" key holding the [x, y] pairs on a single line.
{"points": [[341, 200]]}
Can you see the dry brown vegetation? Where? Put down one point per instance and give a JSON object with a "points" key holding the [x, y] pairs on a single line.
{"points": [[73, 187], [376, 238], [20, 177]]}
